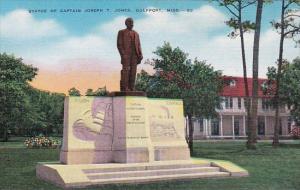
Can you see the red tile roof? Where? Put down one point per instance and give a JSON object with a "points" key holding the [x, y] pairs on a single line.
{"points": [[239, 89]]}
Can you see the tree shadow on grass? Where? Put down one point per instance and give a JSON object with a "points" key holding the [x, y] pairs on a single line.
{"points": [[296, 146]]}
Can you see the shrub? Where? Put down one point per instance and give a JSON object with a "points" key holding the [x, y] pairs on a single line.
{"points": [[41, 142]]}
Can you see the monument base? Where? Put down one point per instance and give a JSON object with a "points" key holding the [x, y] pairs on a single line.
{"points": [[131, 155], [86, 156], [83, 175], [126, 139]]}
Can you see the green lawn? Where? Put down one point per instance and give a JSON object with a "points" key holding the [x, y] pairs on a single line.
{"points": [[269, 168]]}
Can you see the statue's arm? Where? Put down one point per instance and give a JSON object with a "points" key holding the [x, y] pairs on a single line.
{"points": [[120, 43], [139, 47]]}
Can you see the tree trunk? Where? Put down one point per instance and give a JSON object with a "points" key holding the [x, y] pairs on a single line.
{"points": [[5, 134], [186, 130], [254, 104], [247, 98], [191, 134], [278, 77]]}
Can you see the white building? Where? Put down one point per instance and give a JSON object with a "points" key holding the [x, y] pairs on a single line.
{"points": [[231, 121]]}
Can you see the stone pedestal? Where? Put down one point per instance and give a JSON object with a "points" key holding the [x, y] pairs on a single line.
{"points": [[131, 142], [88, 130], [123, 129]]}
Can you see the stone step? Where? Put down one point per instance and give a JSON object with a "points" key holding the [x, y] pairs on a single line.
{"points": [[142, 167], [152, 172], [73, 176], [143, 179]]}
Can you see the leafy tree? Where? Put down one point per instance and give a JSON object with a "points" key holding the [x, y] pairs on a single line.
{"points": [[197, 83], [49, 108], [24, 109], [289, 89], [288, 27], [254, 104], [99, 92], [89, 92], [14, 78], [74, 92]]}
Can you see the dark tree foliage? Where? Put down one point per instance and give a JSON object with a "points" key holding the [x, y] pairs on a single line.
{"points": [[74, 92], [176, 76], [14, 78], [24, 109], [49, 110], [99, 92], [289, 90]]}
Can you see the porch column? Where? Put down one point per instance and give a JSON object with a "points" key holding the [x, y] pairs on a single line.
{"points": [[204, 128], [265, 118], [244, 124], [209, 127], [221, 124], [232, 122]]}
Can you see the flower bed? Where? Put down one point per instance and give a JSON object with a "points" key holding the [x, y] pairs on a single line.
{"points": [[41, 142], [296, 132]]}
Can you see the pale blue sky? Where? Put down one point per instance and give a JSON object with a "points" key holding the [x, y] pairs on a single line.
{"points": [[73, 22], [52, 39]]}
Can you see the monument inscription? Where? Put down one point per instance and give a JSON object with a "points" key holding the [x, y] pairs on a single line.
{"points": [[136, 121]]}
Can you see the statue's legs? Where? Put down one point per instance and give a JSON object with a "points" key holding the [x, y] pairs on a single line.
{"points": [[125, 72], [132, 74], [122, 85]]}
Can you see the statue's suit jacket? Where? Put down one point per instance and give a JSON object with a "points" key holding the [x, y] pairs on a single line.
{"points": [[124, 43]]}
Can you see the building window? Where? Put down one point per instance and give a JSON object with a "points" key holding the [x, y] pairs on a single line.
{"points": [[265, 104], [200, 121], [232, 83], [220, 106], [236, 127], [239, 103], [289, 125], [215, 127], [228, 103], [261, 126], [280, 126]]}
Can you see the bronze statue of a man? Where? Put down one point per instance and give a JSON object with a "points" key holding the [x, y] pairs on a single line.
{"points": [[129, 47]]}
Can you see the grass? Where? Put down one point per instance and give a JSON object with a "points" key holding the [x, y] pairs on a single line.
{"points": [[269, 168]]}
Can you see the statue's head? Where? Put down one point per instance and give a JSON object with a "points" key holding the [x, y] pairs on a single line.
{"points": [[129, 23]]}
